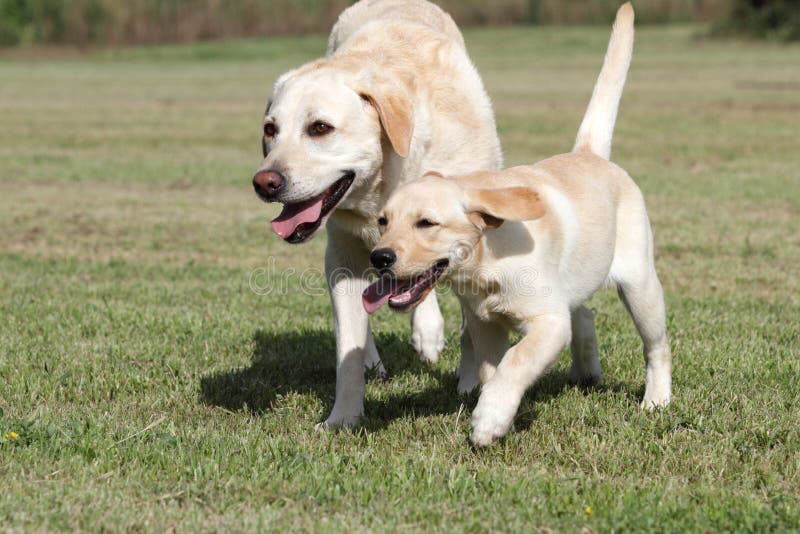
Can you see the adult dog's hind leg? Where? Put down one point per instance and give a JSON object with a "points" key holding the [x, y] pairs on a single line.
{"points": [[586, 370], [427, 329], [372, 360]]}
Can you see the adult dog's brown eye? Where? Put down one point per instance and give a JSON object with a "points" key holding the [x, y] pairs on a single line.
{"points": [[382, 221], [270, 130], [426, 223], [319, 128]]}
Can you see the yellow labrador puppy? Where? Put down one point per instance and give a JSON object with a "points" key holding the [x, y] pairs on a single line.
{"points": [[527, 253], [395, 96]]}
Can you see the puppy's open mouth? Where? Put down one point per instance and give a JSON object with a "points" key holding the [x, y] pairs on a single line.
{"points": [[299, 220], [404, 293]]}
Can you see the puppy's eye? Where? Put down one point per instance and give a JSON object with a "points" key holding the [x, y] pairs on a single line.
{"points": [[382, 221], [426, 223], [270, 130], [319, 128]]}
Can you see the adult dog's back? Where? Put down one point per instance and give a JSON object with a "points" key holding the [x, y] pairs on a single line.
{"points": [[416, 11]]}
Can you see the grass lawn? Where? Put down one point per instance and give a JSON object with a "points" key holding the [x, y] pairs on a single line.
{"points": [[149, 387]]}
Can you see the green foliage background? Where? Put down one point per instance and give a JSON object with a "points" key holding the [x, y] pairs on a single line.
{"points": [[770, 19], [118, 22]]}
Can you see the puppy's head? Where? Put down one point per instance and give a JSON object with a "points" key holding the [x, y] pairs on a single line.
{"points": [[431, 227], [322, 139]]}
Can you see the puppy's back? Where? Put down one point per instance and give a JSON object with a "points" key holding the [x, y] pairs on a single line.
{"points": [[576, 238]]}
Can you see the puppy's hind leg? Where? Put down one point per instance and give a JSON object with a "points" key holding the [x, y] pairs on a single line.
{"points": [[468, 367], [427, 329], [586, 370], [489, 342], [634, 272], [644, 299]]}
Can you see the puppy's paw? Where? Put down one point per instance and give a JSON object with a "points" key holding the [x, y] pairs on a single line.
{"points": [[489, 423], [585, 380], [485, 432], [428, 341], [467, 381]]}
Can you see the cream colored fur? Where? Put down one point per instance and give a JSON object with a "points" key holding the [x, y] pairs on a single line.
{"points": [[528, 246], [403, 98]]}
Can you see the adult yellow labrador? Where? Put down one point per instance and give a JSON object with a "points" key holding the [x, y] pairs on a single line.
{"points": [[395, 96]]}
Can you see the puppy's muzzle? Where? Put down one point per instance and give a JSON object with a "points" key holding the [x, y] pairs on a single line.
{"points": [[383, 258], [268, 184]]}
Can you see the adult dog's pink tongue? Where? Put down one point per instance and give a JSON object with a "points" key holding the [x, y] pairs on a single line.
{"points": [[376, 295], [293, 215]]}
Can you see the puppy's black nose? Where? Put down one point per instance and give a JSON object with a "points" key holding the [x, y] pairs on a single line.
{"points": [[268, 183], [383, 258]]}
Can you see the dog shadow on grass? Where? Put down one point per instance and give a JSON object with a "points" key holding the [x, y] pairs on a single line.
{"points": [[304, 362]]}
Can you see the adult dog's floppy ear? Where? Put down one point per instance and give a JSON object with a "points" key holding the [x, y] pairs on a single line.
{"points": [[489, 208], [395, 112]]}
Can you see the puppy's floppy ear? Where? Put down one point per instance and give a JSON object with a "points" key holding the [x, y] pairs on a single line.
{"points": [[489, 208], [395, 111]]}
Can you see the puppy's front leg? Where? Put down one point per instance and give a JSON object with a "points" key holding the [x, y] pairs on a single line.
{"points": [[346, 267], [427, 329], [521, 365]]}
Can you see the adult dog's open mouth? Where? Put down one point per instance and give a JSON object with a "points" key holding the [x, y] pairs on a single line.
{"points": [[299, 220], [402, 294]]}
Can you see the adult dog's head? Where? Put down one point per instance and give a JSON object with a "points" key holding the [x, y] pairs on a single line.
{"points": [[324, 132]]}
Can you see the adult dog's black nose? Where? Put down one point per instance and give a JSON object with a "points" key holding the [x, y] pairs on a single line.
{"points": [[383, 258], [268, 183]]}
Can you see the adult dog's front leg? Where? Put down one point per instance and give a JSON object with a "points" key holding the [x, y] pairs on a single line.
{"points": [[346, 263], [427, 329], [521, 365]]}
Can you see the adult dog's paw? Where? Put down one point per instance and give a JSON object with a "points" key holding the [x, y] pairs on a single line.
{"points": [[373, 364], [428, 340], [335, 422], [653, 403]]}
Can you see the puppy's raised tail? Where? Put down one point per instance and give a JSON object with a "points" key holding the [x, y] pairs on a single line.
{"points": [[597, 127]]}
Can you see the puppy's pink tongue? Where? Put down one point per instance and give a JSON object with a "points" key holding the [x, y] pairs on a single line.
{"points": [[376, 295], [293, 215]]}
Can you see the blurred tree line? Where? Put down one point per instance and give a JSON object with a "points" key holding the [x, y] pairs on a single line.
{"points": [[769, 19], [118, 22]]}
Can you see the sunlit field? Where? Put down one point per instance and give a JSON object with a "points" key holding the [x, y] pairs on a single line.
{"points": [[156, 373]]}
